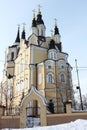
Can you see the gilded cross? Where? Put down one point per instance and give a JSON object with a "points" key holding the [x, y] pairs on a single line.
{"points": [[51, 32], [23, 26], [55, 22], [33, 13], [39, 6]]}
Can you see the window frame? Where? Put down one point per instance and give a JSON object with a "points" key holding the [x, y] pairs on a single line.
{"points": [[62, 78], [50, 78]]}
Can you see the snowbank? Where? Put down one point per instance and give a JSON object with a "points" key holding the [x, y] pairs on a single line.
{"points": [[76, 125]]}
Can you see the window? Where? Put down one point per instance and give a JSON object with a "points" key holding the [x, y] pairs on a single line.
{"points": [[49, 67], [50, 78], [62, 78], [62, 66], [53, 55], [12, 55]]}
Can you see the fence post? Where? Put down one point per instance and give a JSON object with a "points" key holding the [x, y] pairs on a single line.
{"points": [[68, 106]]}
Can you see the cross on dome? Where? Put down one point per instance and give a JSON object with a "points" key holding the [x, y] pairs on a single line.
{"points": [[51, 33], [33, 13], [39, 6], [55, 21], [24, 26]]}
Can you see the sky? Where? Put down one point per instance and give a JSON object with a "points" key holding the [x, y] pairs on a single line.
{"points": [[71, 17]]}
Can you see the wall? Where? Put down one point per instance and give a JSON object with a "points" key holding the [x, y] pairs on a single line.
{"points": [[55, 119], [49, 119], [9, 122]]}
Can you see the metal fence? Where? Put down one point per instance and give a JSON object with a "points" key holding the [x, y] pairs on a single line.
{"points": [[12, 111]]}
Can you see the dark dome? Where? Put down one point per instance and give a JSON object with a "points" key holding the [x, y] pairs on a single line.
{"points": [[34, 23], [56, 30], [52, 44], [39, 19]]}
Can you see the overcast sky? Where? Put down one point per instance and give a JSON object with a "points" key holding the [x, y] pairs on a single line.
{"points": [[72, 22]]}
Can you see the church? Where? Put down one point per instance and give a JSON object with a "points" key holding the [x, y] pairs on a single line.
{"points": [[37, 62]]}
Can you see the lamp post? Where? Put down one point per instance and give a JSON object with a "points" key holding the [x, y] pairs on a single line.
{"points": [[78, 87], [80, 96]]}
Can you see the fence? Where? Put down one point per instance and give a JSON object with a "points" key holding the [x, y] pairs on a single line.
{"points": [[12, 111], [9, 122]]}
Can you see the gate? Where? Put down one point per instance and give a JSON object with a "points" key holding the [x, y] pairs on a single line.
{"points": [[33, 109], [33, 114]]}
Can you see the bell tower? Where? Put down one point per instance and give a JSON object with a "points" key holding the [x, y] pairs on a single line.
{"points": [[40, 23], [34, 24]]}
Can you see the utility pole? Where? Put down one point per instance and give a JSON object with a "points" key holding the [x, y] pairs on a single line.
{"points": [[78, 87]]}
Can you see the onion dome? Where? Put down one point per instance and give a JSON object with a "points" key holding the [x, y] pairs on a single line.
{"points": [[52, 44], [56, 30], [39, 17], [34, 21]]}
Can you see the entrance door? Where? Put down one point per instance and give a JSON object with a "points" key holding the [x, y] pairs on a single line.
{"points": [[32, 114]]}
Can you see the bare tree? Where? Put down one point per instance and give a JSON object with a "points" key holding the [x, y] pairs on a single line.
{"points": [[84, 99]]}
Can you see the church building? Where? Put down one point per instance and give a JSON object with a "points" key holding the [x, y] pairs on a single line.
{"points": [[37, 61]]}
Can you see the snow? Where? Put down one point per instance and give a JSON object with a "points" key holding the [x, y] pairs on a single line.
{"points": [[76, 125]]}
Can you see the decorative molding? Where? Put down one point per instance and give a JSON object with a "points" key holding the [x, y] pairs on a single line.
{"points": [[34, 90], [40, 64]]}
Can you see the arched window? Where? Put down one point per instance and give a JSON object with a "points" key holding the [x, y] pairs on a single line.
{"points": [[50, 78], [12, 55], [53, 55], [62, 77], [62, 66]]}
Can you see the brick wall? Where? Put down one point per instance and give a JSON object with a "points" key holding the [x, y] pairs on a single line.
{"points": [[9, 122], [64, 118]]}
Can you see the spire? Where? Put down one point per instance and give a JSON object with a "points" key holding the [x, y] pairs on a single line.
{"points": [[23, 32], [39, 16], [18, 35], [56, 30], [34, 20]]}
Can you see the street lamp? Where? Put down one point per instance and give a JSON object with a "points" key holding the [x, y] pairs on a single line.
{"points": [[80, 96]]}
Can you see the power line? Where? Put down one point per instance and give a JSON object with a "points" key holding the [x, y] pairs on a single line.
{"points": [[79, 67]]}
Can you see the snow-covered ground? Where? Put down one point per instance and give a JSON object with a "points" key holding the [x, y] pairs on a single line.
{"points": [[76, 125]]}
